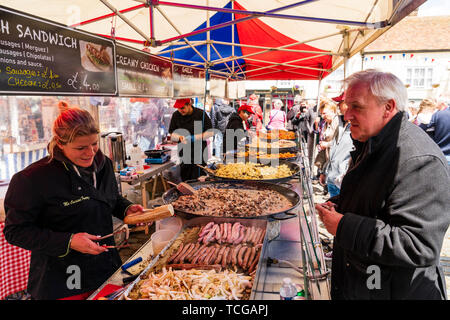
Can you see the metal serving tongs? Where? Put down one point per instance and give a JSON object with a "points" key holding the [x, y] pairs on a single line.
{"points": [[123, 228], [208, 170]]}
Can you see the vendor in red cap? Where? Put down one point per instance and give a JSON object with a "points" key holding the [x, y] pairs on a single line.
{"points": [[342, 108], [235, 129], [191, 127]]}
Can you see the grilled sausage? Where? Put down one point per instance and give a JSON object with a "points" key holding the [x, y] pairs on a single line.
{"points": [[209, 236], [219, 255], [225, 256], [261, 238], [256, 235], [247, 234], [213, 254], [190, 252], [234, 254], [241, 255], [241, 235], [255, 261], [204, 255], [199, 253], [246, 257], [219, 233], [235, 231], [206, 228], [172, 257], [190, 246], [224, 232], [250, 259], [207, 255], [250, 232], [229, 230], [177, 259]]}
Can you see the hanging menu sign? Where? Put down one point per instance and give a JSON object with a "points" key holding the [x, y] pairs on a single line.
{"points": [[188, 81], [232, 89], [38, 56], [217, 86], [143, 74]]}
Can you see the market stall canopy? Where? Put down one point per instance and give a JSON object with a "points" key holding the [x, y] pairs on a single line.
{"points": [[246, 39]]}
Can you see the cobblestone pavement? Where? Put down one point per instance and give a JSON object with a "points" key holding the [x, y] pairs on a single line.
{"points": [[319, 197]]}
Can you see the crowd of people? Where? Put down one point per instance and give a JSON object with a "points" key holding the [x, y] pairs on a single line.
{"points": [[387, 180]]}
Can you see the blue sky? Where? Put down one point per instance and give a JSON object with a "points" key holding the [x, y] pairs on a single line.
{"points": [[435, 8]]}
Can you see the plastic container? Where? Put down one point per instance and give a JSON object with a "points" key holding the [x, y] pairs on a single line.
{"points": [[136, 157], [288, 291], [173, 223], [160, 239]]}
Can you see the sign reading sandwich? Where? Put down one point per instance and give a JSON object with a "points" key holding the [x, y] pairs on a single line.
{"points": [[143, 74], [42, 57]]}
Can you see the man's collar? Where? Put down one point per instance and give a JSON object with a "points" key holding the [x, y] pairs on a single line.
{"points": [[389, 131]]}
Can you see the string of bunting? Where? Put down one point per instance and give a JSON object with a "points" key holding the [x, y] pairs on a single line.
{"points": [[404, 55]]}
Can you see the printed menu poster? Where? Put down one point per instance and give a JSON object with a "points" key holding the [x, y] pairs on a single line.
{"points": [[232, 89], [38, 56], [188, 81], [241, 89], [217, 86], [143, 74]]}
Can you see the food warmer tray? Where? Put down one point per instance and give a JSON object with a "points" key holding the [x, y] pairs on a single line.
{"points": [[260, 267]]}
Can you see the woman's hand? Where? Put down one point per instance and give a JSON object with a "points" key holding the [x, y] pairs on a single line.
{"points": [[137, 209], [84, 243]]}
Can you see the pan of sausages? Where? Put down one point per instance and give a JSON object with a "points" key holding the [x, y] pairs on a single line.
{"points": [[210, 246], [234, 199]]}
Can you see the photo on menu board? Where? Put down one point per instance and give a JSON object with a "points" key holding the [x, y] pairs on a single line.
{"points": [[95, 57]]}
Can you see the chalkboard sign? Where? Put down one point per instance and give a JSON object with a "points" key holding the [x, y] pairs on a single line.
{"points": [[38, 56], [143, 74], [188, 81]]}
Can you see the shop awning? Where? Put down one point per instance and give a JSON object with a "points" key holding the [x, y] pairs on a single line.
{"points": [[246, 39]]}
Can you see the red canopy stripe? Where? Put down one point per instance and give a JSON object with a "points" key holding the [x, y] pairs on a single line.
{"points": [[256, 32]]}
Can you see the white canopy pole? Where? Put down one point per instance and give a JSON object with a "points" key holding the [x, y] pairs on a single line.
{"points": [[346, 52], [126, 20], [220, 56]]}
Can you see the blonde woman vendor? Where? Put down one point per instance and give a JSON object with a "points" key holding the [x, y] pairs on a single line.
{"points": [[59, 206]]}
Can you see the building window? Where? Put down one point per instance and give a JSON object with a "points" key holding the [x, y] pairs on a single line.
{"points": [[419, 77], [285, 83]]}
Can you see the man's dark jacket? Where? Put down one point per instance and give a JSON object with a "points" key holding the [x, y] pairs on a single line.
{"points": [[396, 207], [439, 130], [48, 202], [220, 114], [235, 127]]}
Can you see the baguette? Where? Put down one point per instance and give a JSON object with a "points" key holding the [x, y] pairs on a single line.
{"points": [[150, 215]]}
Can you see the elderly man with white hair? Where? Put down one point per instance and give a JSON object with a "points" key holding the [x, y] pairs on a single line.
{"points": [[393, 210]]}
